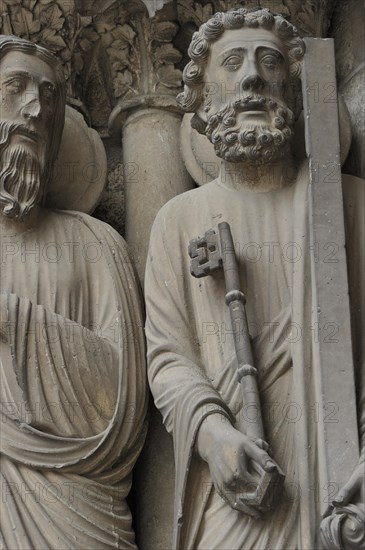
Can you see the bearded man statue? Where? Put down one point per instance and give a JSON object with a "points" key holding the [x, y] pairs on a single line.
{"points": [[242, 84], [73, 384]]}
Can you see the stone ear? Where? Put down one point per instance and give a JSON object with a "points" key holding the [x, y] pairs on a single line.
{"points": [[201, 116], [207, 102], [198, 123]]}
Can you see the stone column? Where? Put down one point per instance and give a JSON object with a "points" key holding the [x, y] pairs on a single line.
{"points": [[149, 119], [154, 173]]}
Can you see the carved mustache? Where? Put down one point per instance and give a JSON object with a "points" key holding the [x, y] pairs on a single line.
{"points": [[29, 132], [9, 129], [251, 102], [254, 103]]}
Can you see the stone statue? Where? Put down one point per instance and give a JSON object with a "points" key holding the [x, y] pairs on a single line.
{"points": [[242, 85], [73, 385]]}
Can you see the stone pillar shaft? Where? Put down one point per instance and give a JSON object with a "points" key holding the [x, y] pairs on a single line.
{"points": [[154, 173]]}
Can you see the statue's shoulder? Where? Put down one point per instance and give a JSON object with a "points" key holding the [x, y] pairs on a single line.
{"points": [[82, 221], [99, 240], [182, 208], [83, 228]]}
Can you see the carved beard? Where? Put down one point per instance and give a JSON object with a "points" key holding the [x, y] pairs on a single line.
{"points": [[252, 143], [21, 175]]}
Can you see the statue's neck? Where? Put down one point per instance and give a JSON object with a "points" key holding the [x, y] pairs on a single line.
{"points": [[258, 178]]}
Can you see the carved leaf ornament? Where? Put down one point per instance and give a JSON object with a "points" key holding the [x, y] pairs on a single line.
{"points": [[136, 44]]}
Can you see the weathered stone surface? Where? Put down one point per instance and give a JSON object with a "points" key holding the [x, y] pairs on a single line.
{"points": [[333, 363], [72, 354], [150, 180], [194, 347], [111, 51]]}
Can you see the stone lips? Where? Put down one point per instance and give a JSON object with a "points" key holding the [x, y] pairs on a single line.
{"points": [[80, 171]]}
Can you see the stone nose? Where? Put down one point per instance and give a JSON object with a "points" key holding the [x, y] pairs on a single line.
{"points": [[33, 107], [252, 82]]}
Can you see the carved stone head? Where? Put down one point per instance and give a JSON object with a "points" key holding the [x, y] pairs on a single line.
{"points": [[242, 84], [32, 99]]}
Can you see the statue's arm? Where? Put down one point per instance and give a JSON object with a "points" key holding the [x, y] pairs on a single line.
{"points": [[21, 319], [175, 371], [56, 360], [192, 409]]}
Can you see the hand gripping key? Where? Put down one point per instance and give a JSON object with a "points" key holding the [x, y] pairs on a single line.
{"points": [[209, 254]]}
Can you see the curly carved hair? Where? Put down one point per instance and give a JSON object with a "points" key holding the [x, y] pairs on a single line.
{"points": [[193, 95]]}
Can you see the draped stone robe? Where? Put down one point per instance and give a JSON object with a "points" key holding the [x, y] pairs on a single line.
{"points": [[73, 386], [192, 361]]}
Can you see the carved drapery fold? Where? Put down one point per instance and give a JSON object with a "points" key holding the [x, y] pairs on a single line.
{"points": [[126, 53]]}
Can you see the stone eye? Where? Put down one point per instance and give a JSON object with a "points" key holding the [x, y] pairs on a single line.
{"points": [[48, 92], [232, 63], [271, 61], [14, 85]]}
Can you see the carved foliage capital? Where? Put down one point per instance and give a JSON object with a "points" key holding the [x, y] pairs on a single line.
{"points": [[110, 52], [140, 50]]}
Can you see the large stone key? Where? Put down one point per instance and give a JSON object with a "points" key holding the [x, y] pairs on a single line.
{"points": [[210, 253]]}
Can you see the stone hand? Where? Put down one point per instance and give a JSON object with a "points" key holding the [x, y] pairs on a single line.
{"points": [[354, 488], [343, 522], [229, 454]]}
